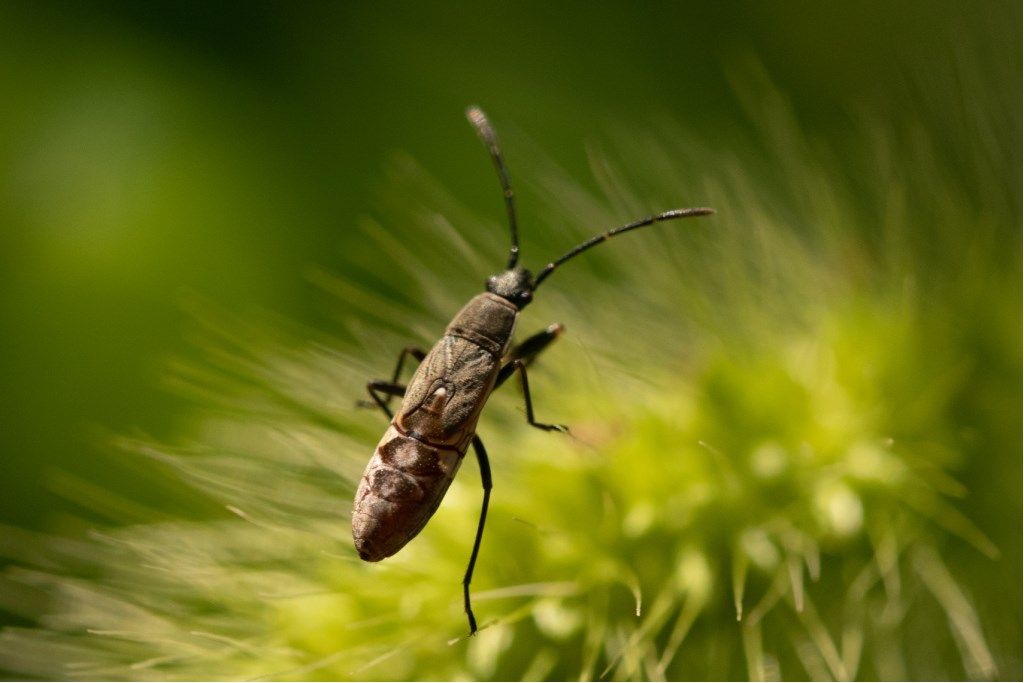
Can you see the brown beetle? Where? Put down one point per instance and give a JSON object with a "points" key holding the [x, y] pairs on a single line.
{"points": [[423, 447]]}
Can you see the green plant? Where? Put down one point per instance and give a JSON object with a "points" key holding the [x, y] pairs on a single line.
{"points": [[769, 413]]}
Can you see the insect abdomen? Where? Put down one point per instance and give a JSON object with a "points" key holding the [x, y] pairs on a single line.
{"points": [[400, 490]]}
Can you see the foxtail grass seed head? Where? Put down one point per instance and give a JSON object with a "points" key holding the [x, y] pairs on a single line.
{"points": [[760, 481]]}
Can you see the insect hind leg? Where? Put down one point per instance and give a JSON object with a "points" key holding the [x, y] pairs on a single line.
{"points": [[485, 478]]}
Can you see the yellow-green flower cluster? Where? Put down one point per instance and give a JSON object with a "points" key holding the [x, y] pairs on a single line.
{"points": [[769, 409]]}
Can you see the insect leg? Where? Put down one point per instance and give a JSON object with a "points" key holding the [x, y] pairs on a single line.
{"points": [[389, 389], [520, 365], [414, 351], [529, 349], [532, 346], [485, 477]]}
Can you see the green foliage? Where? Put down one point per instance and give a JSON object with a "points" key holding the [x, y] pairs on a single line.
{"points": [[770, 412]]}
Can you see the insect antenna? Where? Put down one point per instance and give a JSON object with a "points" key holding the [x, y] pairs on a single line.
{"points": [[490, 140], [608, 234]]}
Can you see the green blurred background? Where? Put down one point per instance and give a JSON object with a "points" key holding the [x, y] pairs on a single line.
{"points": [[154, 151]]}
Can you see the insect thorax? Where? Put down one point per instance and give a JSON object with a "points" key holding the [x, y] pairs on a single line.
{"points": [[488, 321]]}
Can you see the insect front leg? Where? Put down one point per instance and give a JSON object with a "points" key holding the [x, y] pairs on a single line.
{"points": [[485, 477]]}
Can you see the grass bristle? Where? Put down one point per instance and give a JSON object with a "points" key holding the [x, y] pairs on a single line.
{"points": [[761, 482]]}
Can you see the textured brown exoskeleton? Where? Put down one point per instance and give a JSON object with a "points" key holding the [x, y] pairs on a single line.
{"points": [[422, 448]]}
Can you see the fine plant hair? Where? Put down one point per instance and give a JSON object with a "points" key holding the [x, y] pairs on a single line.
{"points": [[769, 477]]}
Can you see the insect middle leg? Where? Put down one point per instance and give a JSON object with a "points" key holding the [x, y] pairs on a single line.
{"points": [[521, 356], [532, 347], [388, 388]]}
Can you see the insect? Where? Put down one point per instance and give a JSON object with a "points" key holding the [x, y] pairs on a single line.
{"points": [[417, 457]]}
